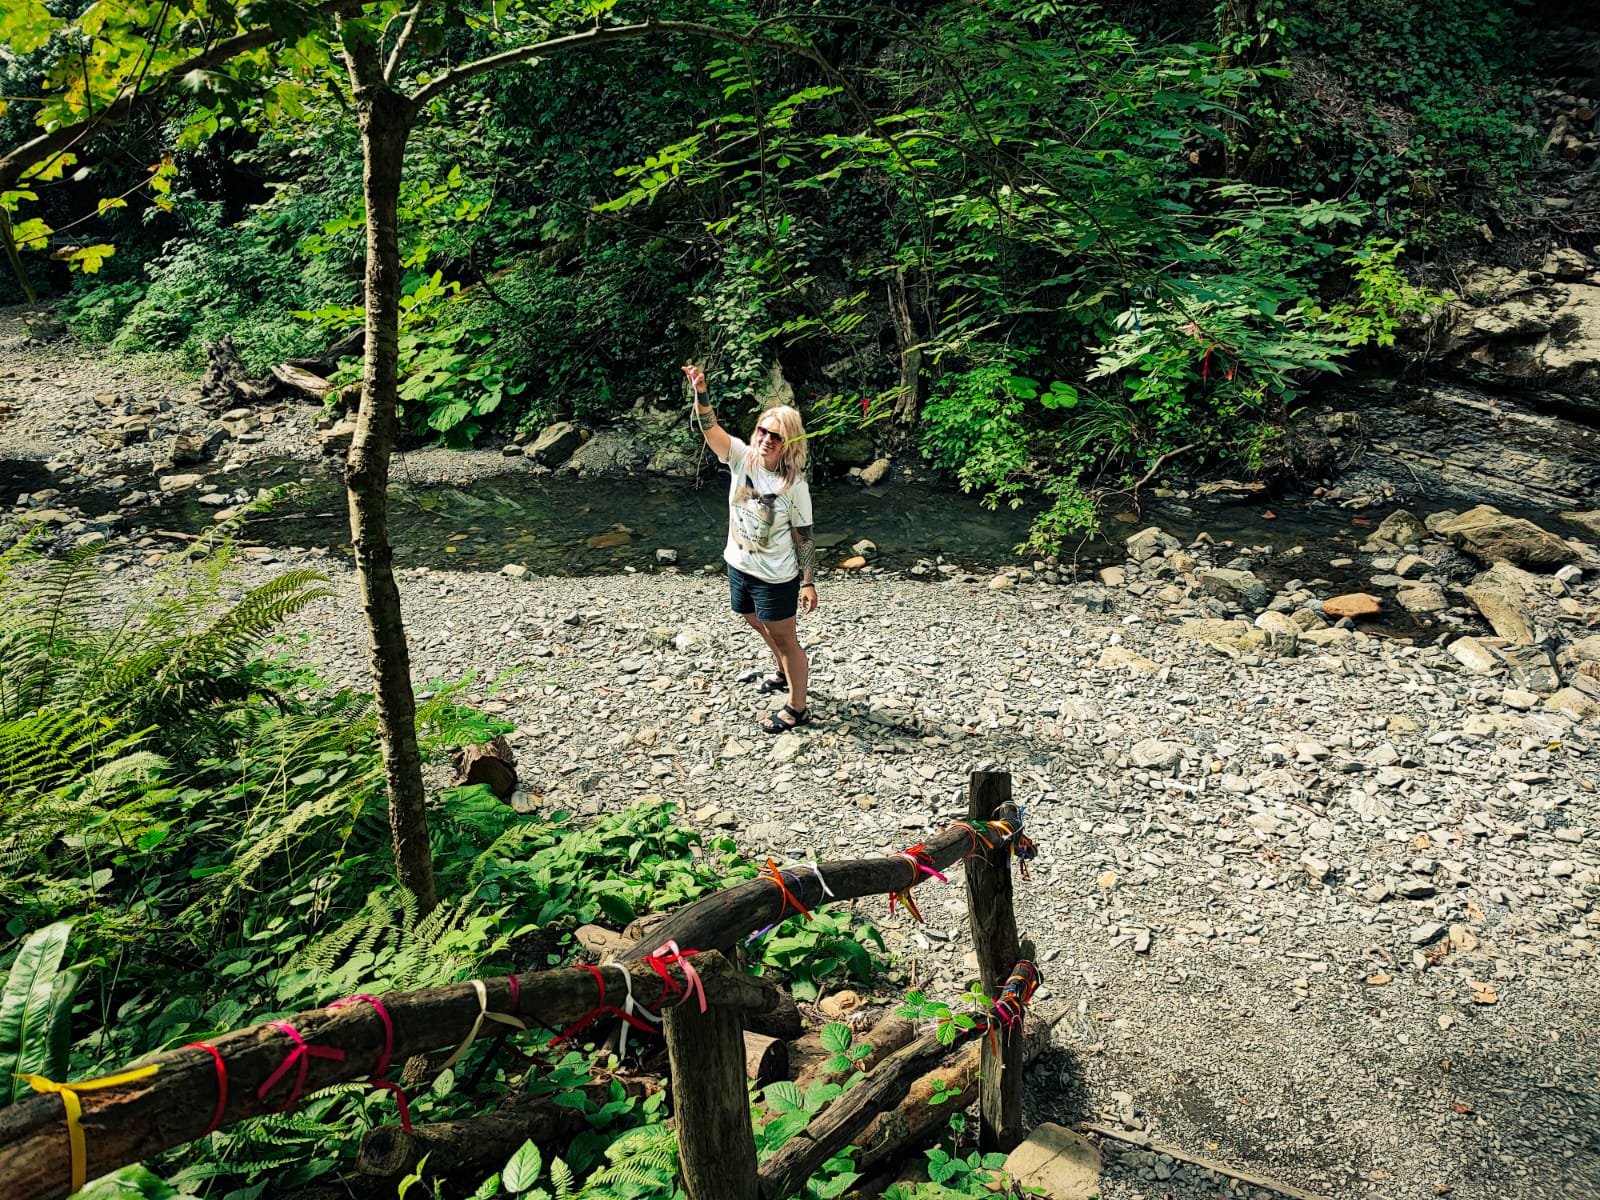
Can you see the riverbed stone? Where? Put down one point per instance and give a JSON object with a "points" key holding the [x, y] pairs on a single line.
{"points": [[1474, 655], [1401, 528], [1239, 588], [555, 444], [1588, 521], [1422, 598], [1057, 1162], [1532, 668], [875, 472], [1504, 604], [1156, 754], [1487, 533], [1354, 605], [1148, 543]]}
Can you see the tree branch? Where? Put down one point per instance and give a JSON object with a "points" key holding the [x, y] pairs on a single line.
{"points": [[16, 162]]}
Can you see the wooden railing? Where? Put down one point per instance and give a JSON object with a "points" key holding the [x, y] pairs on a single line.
{"points": [[51, 1143]]}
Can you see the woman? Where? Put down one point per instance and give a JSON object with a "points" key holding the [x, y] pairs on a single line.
{"points": [[771, 553]]}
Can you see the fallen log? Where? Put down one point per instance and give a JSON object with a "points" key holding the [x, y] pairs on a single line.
{"points": [[787, 1171], [302, 384], [917, 1120], [390, 1152], [492, 764], [766, 1059], [189, 1091]]}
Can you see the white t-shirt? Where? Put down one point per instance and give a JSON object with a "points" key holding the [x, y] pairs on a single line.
{"points": [[762, 517]]}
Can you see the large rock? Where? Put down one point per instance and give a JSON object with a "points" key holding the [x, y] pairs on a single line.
{"points": [[849, 447], [1353, 604], [1527, 334], [610, 453], [1057, 1163], [1489, 534], [1500, 595], [556, 444], [190, 449], [1239, 588], [1422, 598], [1474, 656], [1401, 528], [1148, 543], [1589, 522], [1533, 668]]}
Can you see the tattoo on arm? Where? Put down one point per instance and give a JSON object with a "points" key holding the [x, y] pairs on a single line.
{"points": [[805, 549], [706, 414]]}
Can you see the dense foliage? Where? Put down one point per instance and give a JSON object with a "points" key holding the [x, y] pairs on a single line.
{"points": [[1112, 238], [193, 840]]}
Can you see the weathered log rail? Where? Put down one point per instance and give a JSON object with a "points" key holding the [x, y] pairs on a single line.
{"points": [[51, 1143]]}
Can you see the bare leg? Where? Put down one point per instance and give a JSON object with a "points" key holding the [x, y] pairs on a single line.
{"points": [[785, 642], [767, 638]]}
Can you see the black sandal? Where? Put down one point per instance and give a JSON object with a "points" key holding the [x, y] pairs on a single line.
{"points": [[774, 682], [776, 724]]}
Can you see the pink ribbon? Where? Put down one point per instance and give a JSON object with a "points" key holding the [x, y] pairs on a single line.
{"points": [[667, 955], [302, 1054], [377, 1079]]}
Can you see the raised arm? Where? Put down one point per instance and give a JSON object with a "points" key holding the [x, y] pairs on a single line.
{"points": [[716, 437]]}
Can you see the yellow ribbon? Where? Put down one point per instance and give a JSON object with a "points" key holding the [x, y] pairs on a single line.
{"points": [[69, 1101]]}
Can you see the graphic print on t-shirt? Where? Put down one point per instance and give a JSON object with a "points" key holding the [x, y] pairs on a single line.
{"points": [[752, 516]]}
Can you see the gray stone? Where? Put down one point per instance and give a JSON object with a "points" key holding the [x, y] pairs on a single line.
{"points": [[1489, 534], [1401, 528], [514, 571], [555, 444], [1532, 668], [1422, 598], [1474, 655], [1240, 588], [875, 472], [865, 548], [1148, 543], [1427, 933], [1152, 753]]}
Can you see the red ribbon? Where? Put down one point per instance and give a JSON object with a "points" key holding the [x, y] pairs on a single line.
{"points": [[302, 1054], [601, 1009], [377, 1079], [222, 1084]]}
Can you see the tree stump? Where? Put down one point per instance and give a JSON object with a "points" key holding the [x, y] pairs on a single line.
{"points": [[492, 764]]}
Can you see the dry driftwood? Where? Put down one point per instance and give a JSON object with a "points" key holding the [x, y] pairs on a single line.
{"points": [[301, 384], [1137, 1137], [492, 763]]}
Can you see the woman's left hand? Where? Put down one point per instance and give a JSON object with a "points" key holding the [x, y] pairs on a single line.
{"points": [[808, 598]]}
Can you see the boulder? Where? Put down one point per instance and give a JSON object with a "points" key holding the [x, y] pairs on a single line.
{"points": [[1588, 521], [337, 437], [1056, 1162], [1354, 605], [1148, 543], [875, 473], [610, 453], [1487, 533], [1401, 529], [1502, 602], [190, 449], [849, 447], [1239, 588], [556, 444], [1532, 668], [1422, 598]]}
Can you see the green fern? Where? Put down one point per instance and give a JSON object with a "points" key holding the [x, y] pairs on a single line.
{"points": [[643, 1160]]}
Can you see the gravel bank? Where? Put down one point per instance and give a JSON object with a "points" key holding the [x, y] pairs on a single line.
{"points": [[1320, 906]]}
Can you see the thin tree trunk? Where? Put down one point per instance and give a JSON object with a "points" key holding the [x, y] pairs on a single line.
{"points": [[386, 119]]}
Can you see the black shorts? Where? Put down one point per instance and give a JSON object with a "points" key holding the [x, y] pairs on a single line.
{"points": [[769, 601]]}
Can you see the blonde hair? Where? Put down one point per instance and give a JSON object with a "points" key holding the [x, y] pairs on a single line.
{"points": [[796, 445]]}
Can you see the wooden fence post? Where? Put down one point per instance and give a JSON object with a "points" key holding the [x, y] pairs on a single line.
{"points": [[716, 1145], [994, 938]]}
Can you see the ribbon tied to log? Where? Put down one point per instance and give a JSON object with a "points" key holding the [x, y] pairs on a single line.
{"points": [[77, 1147]]}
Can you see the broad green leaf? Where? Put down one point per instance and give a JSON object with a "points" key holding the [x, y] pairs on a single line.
{"points": [[783, 1097], [27, 1009], [523, 1168], [836, 1037]]}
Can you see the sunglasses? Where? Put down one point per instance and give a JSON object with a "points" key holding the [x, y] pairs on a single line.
{"points": [[776, 438]]}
